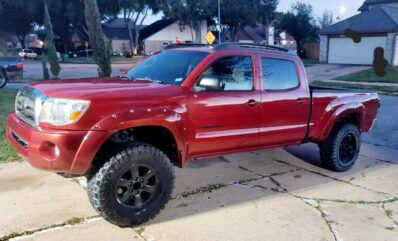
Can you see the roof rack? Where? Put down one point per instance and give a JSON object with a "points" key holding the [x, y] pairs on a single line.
{"points": [[185, 45], [235, 45], [232, 45]]}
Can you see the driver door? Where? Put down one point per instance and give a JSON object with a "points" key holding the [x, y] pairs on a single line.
{"points": [[225, 119]]}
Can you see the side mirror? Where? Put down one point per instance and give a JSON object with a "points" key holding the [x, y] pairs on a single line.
{"points": [[211, 83]]}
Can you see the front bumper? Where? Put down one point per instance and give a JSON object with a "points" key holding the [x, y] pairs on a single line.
{"points": [[58, 151]]}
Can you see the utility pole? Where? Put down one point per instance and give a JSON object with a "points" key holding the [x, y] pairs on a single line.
{"points": [[219, 21]]}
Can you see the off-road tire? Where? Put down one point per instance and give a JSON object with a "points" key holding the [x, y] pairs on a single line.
{"points": [[102, 183], [4, 81], [329, 149]]}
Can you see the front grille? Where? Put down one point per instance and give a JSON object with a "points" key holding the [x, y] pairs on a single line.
{"points": [[28, 104], [20, 140]]}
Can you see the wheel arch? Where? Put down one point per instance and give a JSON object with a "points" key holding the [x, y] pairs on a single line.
{"points": [[352, 113], [166, 140]]}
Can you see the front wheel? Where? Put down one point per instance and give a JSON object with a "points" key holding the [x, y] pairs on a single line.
{"points": [[132, 186], [340, 150], [3, 79]]}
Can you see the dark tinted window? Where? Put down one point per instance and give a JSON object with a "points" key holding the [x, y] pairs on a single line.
{"points": [[279, 74], [168, 67], [235, 71]]}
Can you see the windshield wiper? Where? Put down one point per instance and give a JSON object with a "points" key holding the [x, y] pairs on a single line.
{"points": [[147, 79]]}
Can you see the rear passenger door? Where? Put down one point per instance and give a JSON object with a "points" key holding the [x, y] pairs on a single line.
{"points": [[285, 104]]}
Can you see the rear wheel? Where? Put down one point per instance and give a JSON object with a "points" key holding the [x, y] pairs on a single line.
{"points": [[132, 186], [340, 150], [3, 78]]}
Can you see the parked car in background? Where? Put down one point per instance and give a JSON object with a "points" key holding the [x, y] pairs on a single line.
{"points": [[27, 54], [10, 68]]}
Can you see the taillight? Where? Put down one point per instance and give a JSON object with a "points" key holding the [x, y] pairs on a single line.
{"points": [[20, 65]]}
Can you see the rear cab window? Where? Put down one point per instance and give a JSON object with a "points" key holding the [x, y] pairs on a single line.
{"points": [[279, 74]]}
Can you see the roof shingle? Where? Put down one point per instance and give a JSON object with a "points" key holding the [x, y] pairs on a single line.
{"points": [[376, 20], [367, 3]]}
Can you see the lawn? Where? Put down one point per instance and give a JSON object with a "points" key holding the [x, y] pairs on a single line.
{"points": [[90, 60], [389, 90], [310, 62], [7, 98], [370, 76]]}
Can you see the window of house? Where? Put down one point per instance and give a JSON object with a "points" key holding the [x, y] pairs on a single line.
{"points": [[235, 71], [279, 74]]}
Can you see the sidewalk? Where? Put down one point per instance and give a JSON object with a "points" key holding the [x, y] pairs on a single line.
{"points": [[261, 195], [362, 83]]}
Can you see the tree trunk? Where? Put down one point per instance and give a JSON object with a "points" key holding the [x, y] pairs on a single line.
{"points": [[192, 31], [131, 44], [21, 39], [96, 35]]}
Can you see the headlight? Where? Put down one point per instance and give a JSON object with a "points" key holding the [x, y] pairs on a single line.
{"points": [[62, 111]]}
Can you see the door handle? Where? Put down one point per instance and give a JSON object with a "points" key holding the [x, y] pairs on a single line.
{"points": [[301, 101], [253, 103]]}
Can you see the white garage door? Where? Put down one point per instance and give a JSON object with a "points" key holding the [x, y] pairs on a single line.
{"points": [[345, 51]]}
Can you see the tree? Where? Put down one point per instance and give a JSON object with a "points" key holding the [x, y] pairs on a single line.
{"points": [[300, 23], [65, 17], [237, 14], [190, 13], [51, 52], [134, 13], [100, 49], [18, 17], [326, 19], [267, 13]]}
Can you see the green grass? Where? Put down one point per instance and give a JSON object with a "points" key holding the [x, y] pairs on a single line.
{"points": [[90, 60], [310, 62], [7, 98], [370, 76], [389, 90]]}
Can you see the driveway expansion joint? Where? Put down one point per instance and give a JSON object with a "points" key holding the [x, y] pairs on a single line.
{"points": [[69, 223]]}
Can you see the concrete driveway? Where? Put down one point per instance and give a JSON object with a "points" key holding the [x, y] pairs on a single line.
{"points": [[262, 195], [331, 71]]}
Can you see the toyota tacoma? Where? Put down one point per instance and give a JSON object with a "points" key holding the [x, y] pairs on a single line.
{"points": [[126, 134]]}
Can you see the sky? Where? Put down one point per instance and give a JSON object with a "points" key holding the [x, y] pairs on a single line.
{"points": [[340, 8]]}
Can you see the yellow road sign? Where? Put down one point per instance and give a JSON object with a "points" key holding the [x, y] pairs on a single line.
{"points": [[210, 37]]}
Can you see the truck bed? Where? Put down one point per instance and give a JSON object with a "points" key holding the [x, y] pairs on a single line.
{"points": [[328, 103]]}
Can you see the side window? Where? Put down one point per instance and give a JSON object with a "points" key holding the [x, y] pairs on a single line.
{"points": [[279, 74], [234, 72]]}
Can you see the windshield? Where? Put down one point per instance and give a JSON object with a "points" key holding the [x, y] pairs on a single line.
{"points": [[167, 67]]}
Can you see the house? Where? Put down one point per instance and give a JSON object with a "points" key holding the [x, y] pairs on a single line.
{"points": [[166, 31], [377, 24], [116, 32], [261, 34]]}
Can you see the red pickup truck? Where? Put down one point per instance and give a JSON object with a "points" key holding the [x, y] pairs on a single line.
{"points": [[125, 134]]}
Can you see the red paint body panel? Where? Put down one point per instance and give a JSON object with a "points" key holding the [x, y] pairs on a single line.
{"points": [[203, 123]]}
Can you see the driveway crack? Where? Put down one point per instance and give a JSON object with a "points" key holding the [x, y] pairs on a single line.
{"points": [[69, 223]]}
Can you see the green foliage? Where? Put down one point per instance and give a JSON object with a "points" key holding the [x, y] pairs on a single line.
{"points": [[18, 17], [51, 52], [65, 17], [7, 100], [370, 76], [237, 14], [300, 23], [190, 13], [96, 35]]}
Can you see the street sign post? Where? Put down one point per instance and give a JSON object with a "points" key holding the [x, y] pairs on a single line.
{"points": [[86, 44], [210, 38]]}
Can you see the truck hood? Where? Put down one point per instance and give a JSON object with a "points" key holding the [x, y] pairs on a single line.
{"points": [[83, 88]]}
